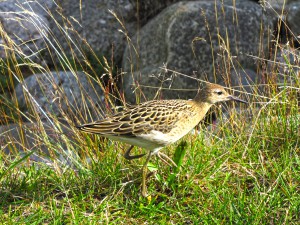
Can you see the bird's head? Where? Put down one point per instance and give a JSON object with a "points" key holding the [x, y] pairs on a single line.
{"points": [[213, 93]]}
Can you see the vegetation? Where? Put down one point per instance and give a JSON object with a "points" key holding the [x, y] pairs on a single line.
{"points": [[244, 170]]}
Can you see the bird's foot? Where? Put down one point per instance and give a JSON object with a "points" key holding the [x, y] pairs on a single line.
{"points": [[130, 157]]}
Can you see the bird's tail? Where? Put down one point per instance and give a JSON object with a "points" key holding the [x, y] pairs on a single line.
{"points": [[97, 127]]}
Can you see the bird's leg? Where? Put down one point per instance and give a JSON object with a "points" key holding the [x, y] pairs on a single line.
{"points": [[130, 157], [164, 158], [144, 176]]}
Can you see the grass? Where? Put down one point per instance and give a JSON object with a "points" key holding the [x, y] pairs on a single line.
{"points": [[215, 184], [244, 171]]}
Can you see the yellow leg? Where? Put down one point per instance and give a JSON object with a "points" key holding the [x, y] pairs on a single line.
{"points": [[144, 176], [164, 158]]}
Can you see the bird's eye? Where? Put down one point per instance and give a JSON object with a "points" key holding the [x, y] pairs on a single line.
{"points": [[219, 92]]}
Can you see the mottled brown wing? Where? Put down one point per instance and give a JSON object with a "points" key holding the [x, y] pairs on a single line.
{"points": [[142, 119]]}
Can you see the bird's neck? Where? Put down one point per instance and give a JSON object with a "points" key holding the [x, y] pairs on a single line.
{"points": [[201, 96], [201, 101], [203, 107]]}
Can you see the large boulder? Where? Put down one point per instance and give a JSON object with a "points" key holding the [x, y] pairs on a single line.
{"points": [[62, 94], [99, 25], [205, 40], [22, 24], [293, 17], [150, 8], [104, 24]]}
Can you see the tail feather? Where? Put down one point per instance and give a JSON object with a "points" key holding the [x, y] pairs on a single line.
{"points": [[97, 128]]}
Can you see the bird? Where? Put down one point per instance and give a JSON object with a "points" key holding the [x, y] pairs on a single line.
{"points": [[155, 124]]}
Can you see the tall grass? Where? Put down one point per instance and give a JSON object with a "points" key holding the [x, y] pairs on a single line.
{"points": [[245, 170]]}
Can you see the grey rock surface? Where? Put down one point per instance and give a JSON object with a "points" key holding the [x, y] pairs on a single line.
{"points": [[38, 140], [150, 8], [284, 68], [244, 79], [61, 94], [94, 22], [293, 16], [23, 22], [199, 39]]}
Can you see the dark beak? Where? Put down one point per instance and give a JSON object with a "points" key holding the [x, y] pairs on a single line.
{"points": [[233, 98]]}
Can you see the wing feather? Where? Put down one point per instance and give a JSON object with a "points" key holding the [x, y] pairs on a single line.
{"points": [[142, 119]]}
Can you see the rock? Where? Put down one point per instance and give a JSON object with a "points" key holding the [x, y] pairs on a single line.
{"points": [[284, 68], [244, 80], [60, 94], [38, 140], [22, 23], [182, 37], [293, 17], [92, 22], [150, 8], [273, 3], [285, 27]]}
